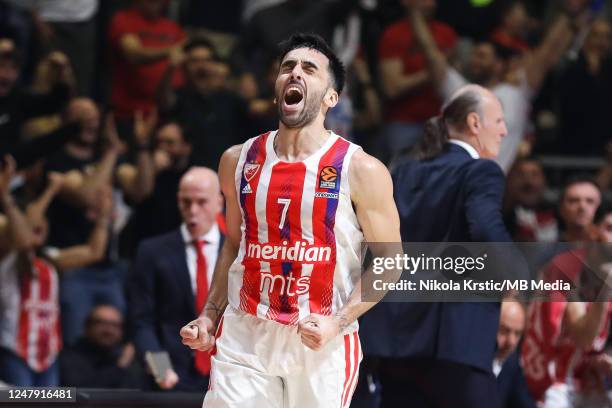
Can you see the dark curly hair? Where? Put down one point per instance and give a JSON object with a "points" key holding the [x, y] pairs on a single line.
{"points": [[316, 42]]}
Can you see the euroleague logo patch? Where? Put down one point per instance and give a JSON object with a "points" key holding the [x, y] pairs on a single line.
{"points": [[328, 178]]}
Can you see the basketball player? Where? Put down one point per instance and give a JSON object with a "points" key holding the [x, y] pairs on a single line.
{"points": [[281, 316]]}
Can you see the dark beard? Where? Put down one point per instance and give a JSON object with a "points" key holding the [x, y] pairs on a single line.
{"points": [[308, 114]]}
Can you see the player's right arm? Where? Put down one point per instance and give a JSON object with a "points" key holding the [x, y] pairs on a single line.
{"points": [[199, 334]]}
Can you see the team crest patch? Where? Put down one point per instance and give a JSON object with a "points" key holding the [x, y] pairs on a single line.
{"points": [[250, 170], [328, 178]]}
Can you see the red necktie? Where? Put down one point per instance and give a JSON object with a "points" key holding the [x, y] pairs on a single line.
{"points": [[202, 358]]}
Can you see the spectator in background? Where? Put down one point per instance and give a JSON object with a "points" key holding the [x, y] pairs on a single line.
{"points": [[151, 186], [99, 359], [410, 97], [89, 163], [45, 76], [218, 21], [262, 109], [17, 104], [69, 26], [564, 355], [512, 30], [489, 68], [141, 40], [215, 115], [506, 366], [579, 201], [274, 23], [367, 103], [30, 339], [87, 171], [585, 87], [526, 213], [18, 24], [171, 276]]}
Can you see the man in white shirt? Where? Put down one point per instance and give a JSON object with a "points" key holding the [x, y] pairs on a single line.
{"points": [[490, 67], [171, 276]]}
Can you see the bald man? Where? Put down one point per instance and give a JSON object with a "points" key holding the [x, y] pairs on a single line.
{"points": [[511, 326], [170, 279], [441, 354], [513, 389]]}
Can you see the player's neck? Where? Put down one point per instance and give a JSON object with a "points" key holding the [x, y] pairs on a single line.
{"points": [[297, 144]]}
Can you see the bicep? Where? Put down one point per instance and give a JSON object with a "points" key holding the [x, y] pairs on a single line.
{"points": [[372, 194], [227, 178]]}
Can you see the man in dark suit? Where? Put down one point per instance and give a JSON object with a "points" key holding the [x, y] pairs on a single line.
{"points": [[513, 389], [170, 279], [441, 354]]}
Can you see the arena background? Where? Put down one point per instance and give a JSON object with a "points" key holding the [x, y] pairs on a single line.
{"points": [[92, 90]]}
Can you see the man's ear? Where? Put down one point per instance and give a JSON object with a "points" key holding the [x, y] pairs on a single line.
{"points": [[331, 98], [473, 123]]}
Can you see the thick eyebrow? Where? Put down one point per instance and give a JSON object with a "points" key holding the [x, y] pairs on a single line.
{"points": [[310, 64], [293, 62], [288, 63]]}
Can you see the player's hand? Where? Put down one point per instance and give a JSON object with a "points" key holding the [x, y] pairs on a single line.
{"points": [[169, 381], [317, 330], [199, 334]]}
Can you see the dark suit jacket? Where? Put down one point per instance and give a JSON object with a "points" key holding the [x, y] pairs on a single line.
{"points": [[450, 198], [513, 389], [162, 301]]}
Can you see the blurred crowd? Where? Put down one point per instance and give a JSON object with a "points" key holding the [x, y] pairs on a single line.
{"points": [[106, 105]]}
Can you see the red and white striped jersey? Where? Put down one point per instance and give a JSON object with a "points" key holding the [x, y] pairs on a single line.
{"points": [[300, 247], [30, 315]]}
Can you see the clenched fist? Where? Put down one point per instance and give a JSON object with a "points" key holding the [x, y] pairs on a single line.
{"points": [[317, 330], [199, 334]]}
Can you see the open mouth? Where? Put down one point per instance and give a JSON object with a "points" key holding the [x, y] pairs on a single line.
{"points": [[293, 95]]}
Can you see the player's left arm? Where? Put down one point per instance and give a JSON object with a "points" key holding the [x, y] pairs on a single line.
{"points": [[372, 195]]}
